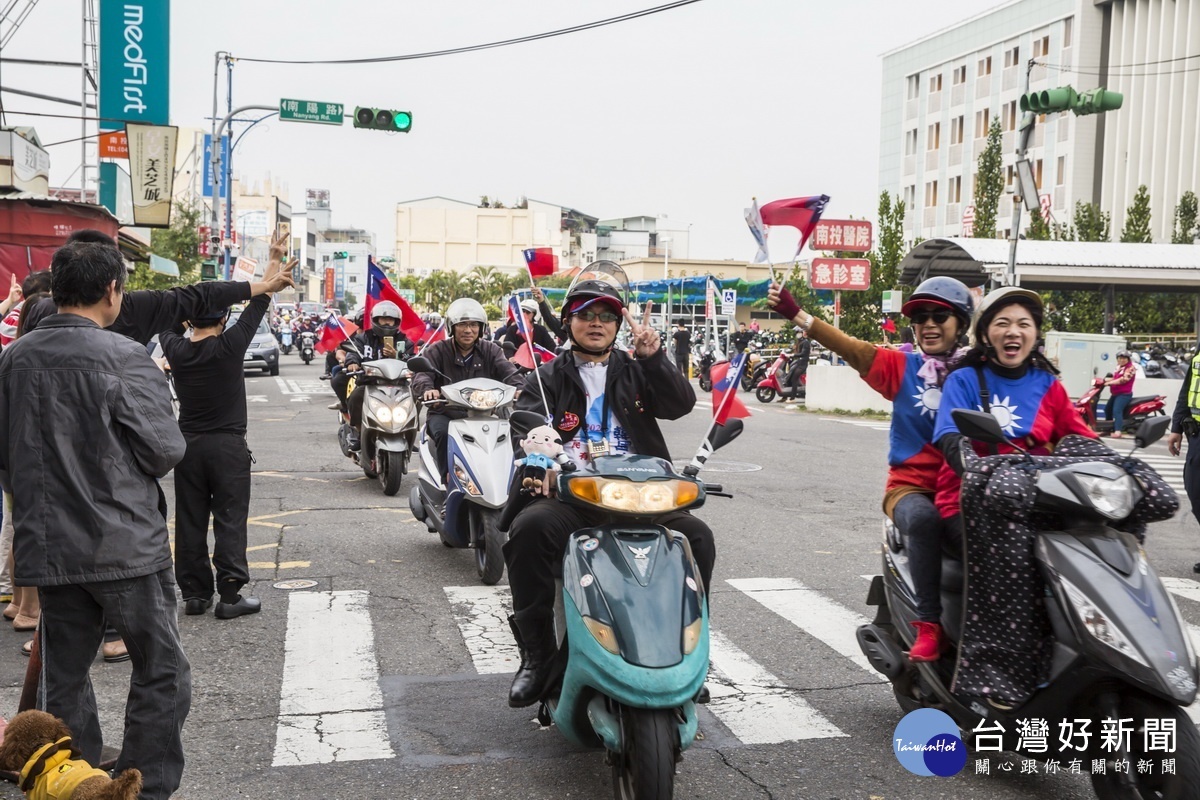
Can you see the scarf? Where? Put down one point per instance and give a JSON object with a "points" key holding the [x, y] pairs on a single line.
{"points": [[936, 366]]}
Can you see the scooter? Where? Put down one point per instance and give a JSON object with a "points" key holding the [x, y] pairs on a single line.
{"points": [[389, 423], [631, 616], [773, 384], [1138, 410], [480, 454], [285, 340], [756, 365], [708, 355], [1121, 649], [308, 346]]}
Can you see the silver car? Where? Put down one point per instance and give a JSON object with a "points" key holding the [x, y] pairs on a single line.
{"points": [[263, 352]]}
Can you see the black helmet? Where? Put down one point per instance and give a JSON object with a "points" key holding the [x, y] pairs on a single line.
{"points": [[599, 282], [943, 291]]}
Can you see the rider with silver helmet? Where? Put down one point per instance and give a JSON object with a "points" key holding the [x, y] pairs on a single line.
{"points": [[579, 387], [465, 354], [383, 339], [940, 313], [511, 334]]}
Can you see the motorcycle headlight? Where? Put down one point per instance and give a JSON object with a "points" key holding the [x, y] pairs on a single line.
{"points": [[1097, 623], [652, 497], [382, 413], [464, 480], [1112, 498], [603, 633], [482, 399]]}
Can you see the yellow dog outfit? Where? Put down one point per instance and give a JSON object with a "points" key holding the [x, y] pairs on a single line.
{"points": [[51, 773]]}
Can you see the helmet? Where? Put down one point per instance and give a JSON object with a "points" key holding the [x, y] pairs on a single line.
{"points": [[943, 291], [1124, 354], [433, 318], [385, 309], [530, 305], [465, 309], [1002, 298]]}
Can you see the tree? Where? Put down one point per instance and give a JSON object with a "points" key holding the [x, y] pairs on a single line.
{"points": [[179, 243], [861, 311], [1080, 310], [989, 185], [1137, 218], [1185, 219], [1039, 228]]}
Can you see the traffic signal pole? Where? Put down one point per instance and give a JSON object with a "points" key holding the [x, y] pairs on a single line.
{"points": [[1028, 121], [220, 178]]}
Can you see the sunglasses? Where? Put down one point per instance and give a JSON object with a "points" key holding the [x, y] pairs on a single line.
{"points": [[587, 315], [940, 316]]}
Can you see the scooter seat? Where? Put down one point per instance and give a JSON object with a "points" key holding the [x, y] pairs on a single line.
{"points": [[1150, 398]]}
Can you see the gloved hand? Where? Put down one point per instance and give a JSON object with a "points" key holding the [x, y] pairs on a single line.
{"points": [[786, 306]]}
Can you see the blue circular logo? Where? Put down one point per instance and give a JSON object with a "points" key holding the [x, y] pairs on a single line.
{"points": [[927, 742]]}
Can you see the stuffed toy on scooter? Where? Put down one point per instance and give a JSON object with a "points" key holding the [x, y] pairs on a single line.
{"points": [[542, 446]]}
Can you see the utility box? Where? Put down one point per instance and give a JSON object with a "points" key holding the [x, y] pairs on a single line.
{"points": [[1082, 357]]}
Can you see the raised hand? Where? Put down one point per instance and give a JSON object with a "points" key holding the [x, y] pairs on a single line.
{"points": [[644, 338], [279, 246], [14, 291], [279, 275]]}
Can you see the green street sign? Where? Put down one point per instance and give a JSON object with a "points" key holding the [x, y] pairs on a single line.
{"points": [[310, 111]]}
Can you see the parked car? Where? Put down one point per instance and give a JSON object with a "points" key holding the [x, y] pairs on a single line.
{"points": [[263, 352]]}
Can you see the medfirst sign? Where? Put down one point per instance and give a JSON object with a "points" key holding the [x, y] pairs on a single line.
{"points": [[134, 62]]}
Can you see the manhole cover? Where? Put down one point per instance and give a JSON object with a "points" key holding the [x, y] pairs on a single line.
{"points": [[723, 466], [299, 583]]}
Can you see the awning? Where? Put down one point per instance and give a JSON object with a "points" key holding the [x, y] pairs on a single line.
{"points": [[33, 227], [1059, 265]]}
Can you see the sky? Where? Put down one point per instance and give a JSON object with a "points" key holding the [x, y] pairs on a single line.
{"points": [[686, 113]]}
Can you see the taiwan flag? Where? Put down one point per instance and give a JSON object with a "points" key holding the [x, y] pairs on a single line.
{"points": [[725, 378], [525, 357], [334, 331], [379, 288], [541, 261], [801, 213], [514, 313]]}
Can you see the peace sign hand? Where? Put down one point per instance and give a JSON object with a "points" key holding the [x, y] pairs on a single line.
{"points": [[645, 339], [279, 246]]}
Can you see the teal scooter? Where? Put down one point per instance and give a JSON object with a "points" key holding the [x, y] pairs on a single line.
{"points": [[632, 618]]}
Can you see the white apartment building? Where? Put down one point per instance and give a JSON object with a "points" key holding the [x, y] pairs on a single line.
{"points": [[349, 271], [627, 238], [941, 93]]}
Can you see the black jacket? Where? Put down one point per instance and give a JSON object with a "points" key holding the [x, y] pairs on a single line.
{"points": [[147, 311], [642, 392], [742, 340], [540, 336], [369, 346], [486, 360]]}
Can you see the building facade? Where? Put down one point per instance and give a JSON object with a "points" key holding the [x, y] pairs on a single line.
{"points": [[627, 238], [941, 93]]}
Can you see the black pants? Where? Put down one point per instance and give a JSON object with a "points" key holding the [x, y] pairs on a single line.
{"points": [[212, 479], [538, 536], [353, 401], [330, 362], [922, 530], [681, 359], [160, 688], [1191, 474], [438, 428]]}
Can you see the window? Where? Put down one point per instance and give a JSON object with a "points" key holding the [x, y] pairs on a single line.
{"points": [[914, 86], [350, 259], [910, 197], [956, 130], [1008, 116], [1012, 57], [351, 279], [1067, 25], [933, 139], [910, 142], [960, 75], [985, 66], [1041, 47], [982, 123], [931, 198], [1060, 176], [1010, 175], [935, 83], [955, 190], [1037, 173]]}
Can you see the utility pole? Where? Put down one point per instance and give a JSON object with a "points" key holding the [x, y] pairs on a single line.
{"points": [[1028, 120], [219, 184]]}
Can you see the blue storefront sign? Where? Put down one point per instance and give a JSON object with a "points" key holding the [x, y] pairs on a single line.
{"points": [[135, 48], [207, 165]]}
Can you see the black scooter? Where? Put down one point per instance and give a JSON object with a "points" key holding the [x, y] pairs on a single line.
{"points": [[1121, 649]]}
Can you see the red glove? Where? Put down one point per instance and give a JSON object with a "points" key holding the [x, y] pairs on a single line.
{"points": [[786, 307]]}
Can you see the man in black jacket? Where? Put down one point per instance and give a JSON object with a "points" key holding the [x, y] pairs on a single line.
{"points": [[383, 339], [683, 348], [512, 334], [464, 355], [86, 421], [743, 338], [580, 387], [214, 476]]}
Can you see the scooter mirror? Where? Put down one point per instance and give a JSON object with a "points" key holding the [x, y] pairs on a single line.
{"points": [[722, 435], [522, 422], [978, 425], [1151, 430], [420, 364]]}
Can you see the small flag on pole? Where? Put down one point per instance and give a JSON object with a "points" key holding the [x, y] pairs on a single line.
{"points": [[801, 213], [726, 377], [759, 231], [541, 261]]}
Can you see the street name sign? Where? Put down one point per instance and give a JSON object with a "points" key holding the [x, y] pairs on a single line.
{"points": [[310, 111]]}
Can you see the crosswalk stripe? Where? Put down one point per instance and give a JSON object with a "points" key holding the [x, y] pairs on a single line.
{"points": [[482, 616], [812, 612], [754, 704], [330, 703], [862, 423]]}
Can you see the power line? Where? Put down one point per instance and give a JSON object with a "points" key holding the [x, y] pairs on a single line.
{"points": [[1129, 66], [487, 46], [1110, 74]]}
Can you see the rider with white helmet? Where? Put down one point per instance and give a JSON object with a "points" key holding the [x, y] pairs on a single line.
{"points": [[541, 336], [464, 354], [383, 339]]}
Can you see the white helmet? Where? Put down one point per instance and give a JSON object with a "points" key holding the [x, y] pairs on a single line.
{"points": [[464, 309], [385, 308], [530, 305]]}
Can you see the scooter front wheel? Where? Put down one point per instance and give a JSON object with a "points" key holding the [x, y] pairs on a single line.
{"points": [[1113, 785], [765, 394], [489, 543], [391, 471], [646, 770], [705, 383]]}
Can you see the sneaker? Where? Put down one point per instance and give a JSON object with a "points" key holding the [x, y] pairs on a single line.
{"points": [[334, 406], [928, 646], [352, 441]]}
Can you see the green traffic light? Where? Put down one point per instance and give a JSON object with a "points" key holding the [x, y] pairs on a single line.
{"points": [[402, 120], [382, 119], [1097, 101]]}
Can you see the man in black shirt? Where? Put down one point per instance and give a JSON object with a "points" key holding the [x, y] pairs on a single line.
{"points": [[214, 475], [743, 338], [683, 347]]}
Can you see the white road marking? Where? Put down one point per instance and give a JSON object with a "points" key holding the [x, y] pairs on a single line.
{"points": [[812, 612], [875, 425], [751, 409], [256, 398], [330, 703], [1168, 466], [482, 616], [303, 387], [754, 704]]}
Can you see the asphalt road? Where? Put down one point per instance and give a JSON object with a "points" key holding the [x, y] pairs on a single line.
{"points": [[419, 665]]}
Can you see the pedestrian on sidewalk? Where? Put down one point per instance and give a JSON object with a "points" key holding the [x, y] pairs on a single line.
{"points": [[213, 479]]}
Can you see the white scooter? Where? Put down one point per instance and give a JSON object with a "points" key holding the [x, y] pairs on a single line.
{"points": [[389, 423], [480, 458]]}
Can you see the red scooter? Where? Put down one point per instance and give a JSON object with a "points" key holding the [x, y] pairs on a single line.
{"points": [[775, 381], [1139, 408]]}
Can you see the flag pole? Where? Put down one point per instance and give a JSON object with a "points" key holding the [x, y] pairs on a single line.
{"points": [[706, 450], [342, 328]]}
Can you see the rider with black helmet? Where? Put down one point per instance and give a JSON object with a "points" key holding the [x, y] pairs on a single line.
{"points": [[383, 339], [940, 312], [579, 387]]}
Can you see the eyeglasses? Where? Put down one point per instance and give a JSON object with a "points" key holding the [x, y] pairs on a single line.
{"points": [[940, 316], [587, 315]]}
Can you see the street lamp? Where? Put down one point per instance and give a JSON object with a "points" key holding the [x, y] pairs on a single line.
{"points": [[667, 274]]}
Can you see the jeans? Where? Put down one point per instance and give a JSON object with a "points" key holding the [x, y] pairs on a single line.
{"points": [[1120, 403], [922, 530], [438, 428], [160, 688]]}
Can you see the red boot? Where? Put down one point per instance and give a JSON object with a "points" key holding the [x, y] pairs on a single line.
{"points": [[928, 646]]}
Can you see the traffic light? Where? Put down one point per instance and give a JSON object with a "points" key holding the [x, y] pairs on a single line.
{"points": [[383, 119], [1065, 98], [341, 254]]}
